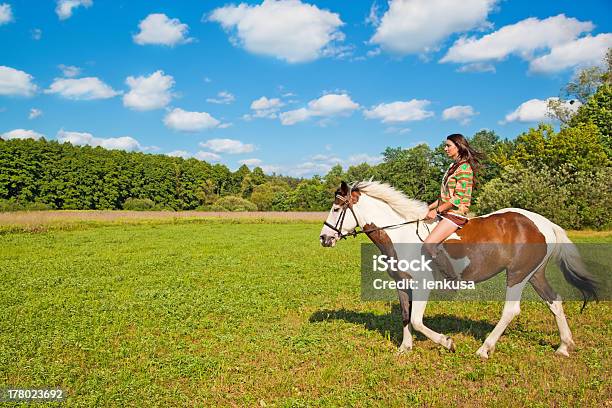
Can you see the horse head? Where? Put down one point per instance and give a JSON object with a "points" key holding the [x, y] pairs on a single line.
{"points": [[341, 220]]}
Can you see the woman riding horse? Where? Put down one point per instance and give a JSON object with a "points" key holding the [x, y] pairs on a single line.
{"points": [[452, 207]]}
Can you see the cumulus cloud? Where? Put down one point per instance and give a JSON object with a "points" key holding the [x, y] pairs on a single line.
{"points": [[69, 71], [84, 138], [223, 98], [16, 82], [21, 134], [158, 29], [322, 163], [535, 110], [581, 52], [6, 13], [185, 121], [299, 33], [64, 7], [34, 113], [529, 37], [397, 112], [251, 162], [265, 108], [81, 89], [207, 156], [230, 146], [148, 93], [326, 106], [417, 26], [461, 113]]}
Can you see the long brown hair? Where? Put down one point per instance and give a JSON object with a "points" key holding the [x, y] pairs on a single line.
{"points": [[466, 155]]}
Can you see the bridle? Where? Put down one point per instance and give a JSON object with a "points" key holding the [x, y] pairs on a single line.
{"points": [[348, 205]]}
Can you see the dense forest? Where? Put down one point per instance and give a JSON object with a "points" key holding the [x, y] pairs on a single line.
{"points": [[564, 175]]}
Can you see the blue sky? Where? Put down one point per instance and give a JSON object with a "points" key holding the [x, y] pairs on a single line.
{"points": [[292, 86]]}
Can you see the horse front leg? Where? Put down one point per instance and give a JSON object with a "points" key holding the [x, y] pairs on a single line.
{"points": [[406, 306], [419, 303]]}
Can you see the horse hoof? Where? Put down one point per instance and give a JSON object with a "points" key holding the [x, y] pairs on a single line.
{"points": [[403, 349], [562, 351], [482, 353], [450, 345]]}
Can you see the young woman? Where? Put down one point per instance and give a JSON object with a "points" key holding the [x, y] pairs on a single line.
{"points": [[455, 193]]}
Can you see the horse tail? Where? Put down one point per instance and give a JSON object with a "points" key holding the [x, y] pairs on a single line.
{"points": [[575, 272]]}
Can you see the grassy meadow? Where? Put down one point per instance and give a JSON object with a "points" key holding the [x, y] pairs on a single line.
{"points": [[252, 312]]}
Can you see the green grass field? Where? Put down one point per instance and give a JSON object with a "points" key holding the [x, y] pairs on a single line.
{"points": [[251, 313]]}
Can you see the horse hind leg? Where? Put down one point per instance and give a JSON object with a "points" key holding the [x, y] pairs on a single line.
{"points": [[512, 308], [553, 300]]}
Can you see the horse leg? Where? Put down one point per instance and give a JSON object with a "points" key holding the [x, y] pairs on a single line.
{"points": [[553, 300], [418, 310], [406, 305], [512, 308]]}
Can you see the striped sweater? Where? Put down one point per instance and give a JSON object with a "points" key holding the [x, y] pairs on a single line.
{"points": [[458, 189]]}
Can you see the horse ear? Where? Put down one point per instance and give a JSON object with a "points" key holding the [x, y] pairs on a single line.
{"points": [[344, 188]]}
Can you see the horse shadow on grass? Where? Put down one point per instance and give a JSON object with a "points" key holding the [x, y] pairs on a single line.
{"points": [[390, 325]]}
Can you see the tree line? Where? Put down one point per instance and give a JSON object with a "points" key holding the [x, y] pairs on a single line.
{"points": [[562, 175]]}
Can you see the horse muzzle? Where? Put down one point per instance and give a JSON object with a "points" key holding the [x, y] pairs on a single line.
{"points": [[328, 240]]}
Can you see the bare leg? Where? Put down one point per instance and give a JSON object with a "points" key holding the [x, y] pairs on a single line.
{"points": [[418, 309], [430, 246], [512, 308], [553, 300]]}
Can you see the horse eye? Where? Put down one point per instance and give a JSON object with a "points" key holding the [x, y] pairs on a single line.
{"points": [[336, 209]]}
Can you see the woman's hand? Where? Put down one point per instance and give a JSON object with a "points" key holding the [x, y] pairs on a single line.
{"points": [[431, 215]]}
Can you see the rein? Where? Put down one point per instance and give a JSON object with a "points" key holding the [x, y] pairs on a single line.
{"points": [[348, 205]]}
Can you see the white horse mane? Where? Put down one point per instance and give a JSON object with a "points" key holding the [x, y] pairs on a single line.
{"points": [[406, 207]]}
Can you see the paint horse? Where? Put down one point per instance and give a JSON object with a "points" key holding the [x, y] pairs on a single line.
{"points": [[523, 241]]}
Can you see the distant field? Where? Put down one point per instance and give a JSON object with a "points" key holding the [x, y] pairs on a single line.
{"points": [[253, 312]]}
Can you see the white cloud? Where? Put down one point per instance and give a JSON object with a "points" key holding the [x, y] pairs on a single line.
{"points": [[264, 103], [265, 108], [522, 38], [36, 34], [64, 7], [69, 71], [147, 93], [185, 121], [251, 162], [200, 155], [535, 110], [179, 153], [286, 29], [373, 18], [477, 67], [81, 89], [417, 26], [161, 30], [15, 82], [461, 113], [207, 156], [223, 98], [230, 146], [326, 106], [34, 113], [581, 52], [6, 14], [396, 112], [21, 134], [294, 116], [84, 138]]}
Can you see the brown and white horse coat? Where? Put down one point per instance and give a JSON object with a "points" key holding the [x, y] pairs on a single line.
{"points": [[523, 243]]}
